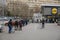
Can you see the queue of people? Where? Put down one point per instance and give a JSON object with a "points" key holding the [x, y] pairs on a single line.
{"points": [[17, 24]]}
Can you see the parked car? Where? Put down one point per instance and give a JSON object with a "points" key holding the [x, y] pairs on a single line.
{"points": [[1, 27], [4, 22]]}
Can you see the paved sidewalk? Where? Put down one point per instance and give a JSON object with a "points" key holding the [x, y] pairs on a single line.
{"points": [[33, 31]]}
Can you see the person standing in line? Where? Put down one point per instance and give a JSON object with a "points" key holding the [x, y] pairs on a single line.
{"points": [[23, 22], [16, 25], [37, 20], [26, 21], [10, 26], [20, 25]]}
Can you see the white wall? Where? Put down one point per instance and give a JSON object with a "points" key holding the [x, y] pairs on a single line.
{"points": [[37, 16]]}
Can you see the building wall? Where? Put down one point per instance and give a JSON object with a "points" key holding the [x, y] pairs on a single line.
{"points": [[33, 3]]}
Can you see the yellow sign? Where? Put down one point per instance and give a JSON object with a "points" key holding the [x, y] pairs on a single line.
{"points": [[54, 11], [49, 16]]}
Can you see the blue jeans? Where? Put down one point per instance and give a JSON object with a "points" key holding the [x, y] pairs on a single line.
{"points": [[10, 28]]}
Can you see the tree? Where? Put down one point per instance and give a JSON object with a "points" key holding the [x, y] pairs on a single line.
{"points": [[18, 8], [37, 9]]}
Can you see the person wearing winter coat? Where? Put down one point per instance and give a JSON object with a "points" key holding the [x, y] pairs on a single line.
{"points": [[16, 25], [20, 25], [10, 26]]}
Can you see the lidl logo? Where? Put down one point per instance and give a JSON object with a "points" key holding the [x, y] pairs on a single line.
{"points": [[54, 11]]}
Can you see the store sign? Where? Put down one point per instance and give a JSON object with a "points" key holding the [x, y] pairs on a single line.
{"points": [[54, 11]]}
